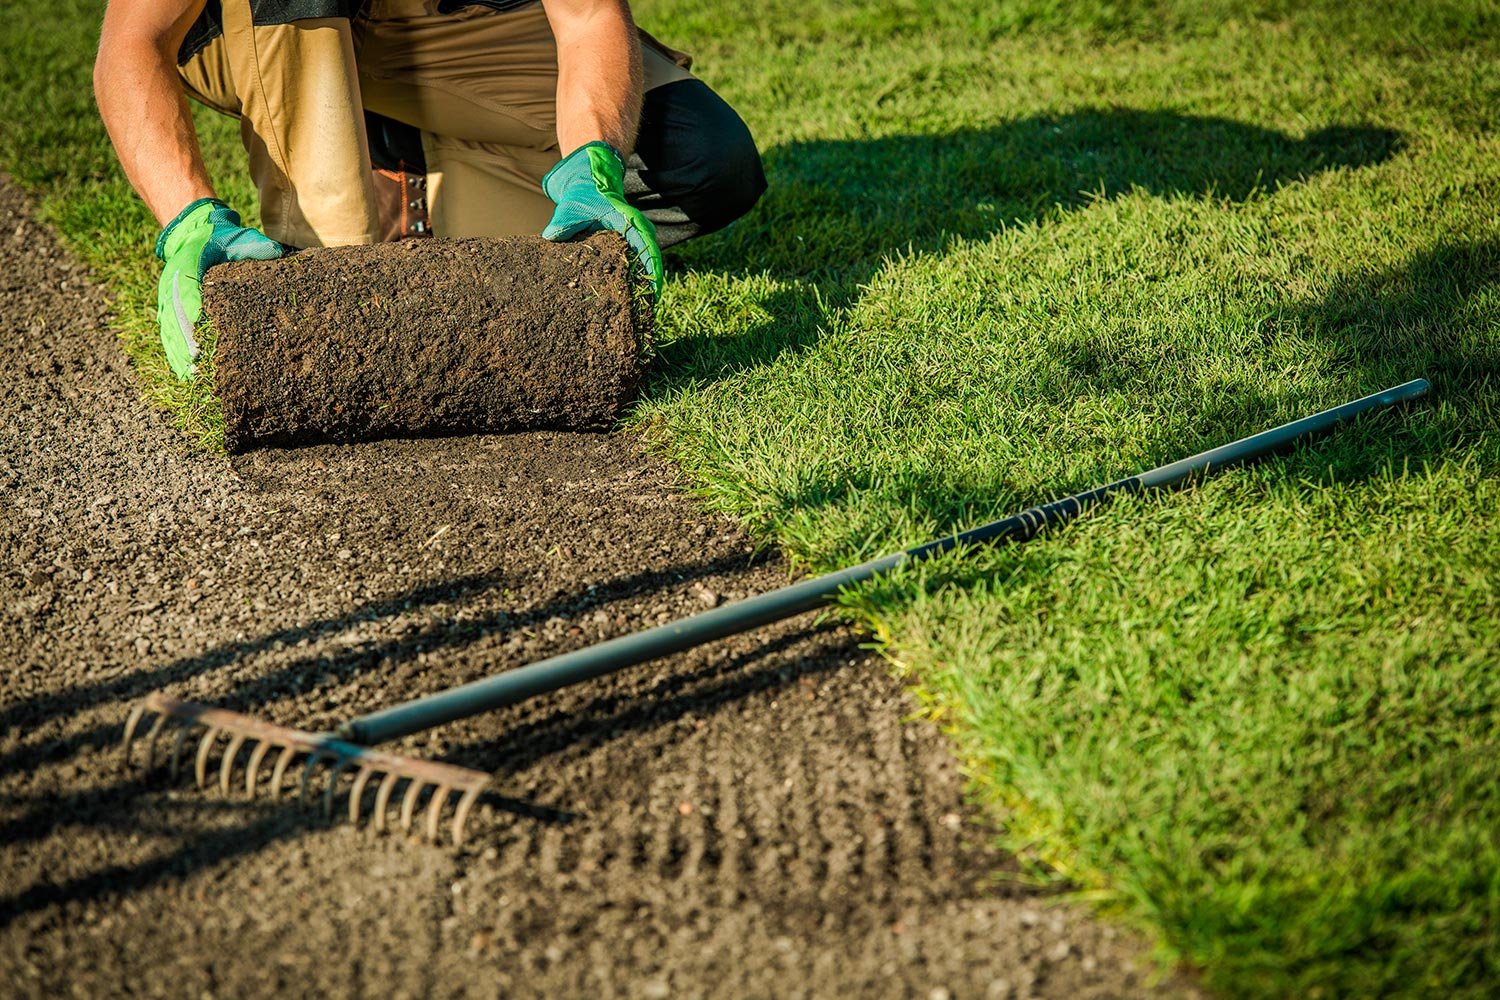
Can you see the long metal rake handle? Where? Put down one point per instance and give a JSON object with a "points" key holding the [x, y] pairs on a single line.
{"points": [[521, 683]]}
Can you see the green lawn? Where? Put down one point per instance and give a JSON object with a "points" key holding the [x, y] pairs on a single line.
{"points": [[1012, 250]]}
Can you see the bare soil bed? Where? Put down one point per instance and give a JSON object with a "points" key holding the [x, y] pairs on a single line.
{"points": [[753, 818]]}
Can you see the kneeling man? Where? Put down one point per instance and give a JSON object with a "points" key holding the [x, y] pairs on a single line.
{"points": [[371, 120]]}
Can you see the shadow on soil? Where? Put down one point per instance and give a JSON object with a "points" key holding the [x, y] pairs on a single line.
{"points": [[208, 850], [836, 208], [123, 805], [614, 715], [289, 676], [32, 711], [581, 726]]}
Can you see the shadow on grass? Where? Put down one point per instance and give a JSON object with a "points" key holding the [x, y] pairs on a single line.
{"points": [[836, 208], [1434, 317]]}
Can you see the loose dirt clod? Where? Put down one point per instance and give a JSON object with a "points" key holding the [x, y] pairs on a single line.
{"points": [[426, 337]]}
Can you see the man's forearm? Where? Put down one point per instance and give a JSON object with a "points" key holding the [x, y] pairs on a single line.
{"points": [[142, 103], [598, 72]]}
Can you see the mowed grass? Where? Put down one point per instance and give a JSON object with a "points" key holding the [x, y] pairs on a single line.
{"points": [[1012, 250]]}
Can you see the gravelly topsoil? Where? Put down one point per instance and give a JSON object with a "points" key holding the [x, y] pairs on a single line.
{"points": [[426, 337], [750, 819]]}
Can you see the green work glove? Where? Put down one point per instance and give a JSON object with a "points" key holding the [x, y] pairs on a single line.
{"points": [[206, 233], [588, 186]]}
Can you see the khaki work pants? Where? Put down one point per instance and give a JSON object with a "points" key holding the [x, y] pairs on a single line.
{"points": [[480, 84]]}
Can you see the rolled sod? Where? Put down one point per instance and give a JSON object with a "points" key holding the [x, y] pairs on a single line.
{"points": [[426, 337]]}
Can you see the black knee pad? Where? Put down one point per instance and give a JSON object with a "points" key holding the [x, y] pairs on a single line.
{"points": [[695, 168]]}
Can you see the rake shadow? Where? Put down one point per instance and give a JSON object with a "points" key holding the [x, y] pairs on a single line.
{"points": [[613, 715], [29, 712], [604, 719], [111, 807], [340, 666]]}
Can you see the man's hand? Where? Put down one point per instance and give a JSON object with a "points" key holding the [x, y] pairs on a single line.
{"points": [[589, 188], [206, 233], [598, 109]]}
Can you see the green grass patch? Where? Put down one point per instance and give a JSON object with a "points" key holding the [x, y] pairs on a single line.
{"points": [[1012, 251], [51, 141], [1015, 249]]}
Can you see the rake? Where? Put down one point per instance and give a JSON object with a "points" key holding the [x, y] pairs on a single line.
{"points": [[430, 786]]}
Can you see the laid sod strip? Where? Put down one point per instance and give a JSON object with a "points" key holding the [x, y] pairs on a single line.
{"points": [[1012, 246]]}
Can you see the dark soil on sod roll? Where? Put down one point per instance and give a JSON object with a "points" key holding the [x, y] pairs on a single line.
{"points": [[426, 337], [753, 818]]}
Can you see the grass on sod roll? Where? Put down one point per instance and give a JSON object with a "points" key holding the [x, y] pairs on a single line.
{"points": [[1012, 250]]}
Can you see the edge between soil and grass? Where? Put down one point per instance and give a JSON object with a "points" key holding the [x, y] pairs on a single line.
{"points": [[722, 322]]}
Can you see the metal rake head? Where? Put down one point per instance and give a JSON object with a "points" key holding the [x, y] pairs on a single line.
{"points": [[437, 782]]}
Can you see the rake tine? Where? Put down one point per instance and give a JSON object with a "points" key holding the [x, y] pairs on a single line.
{"points": [[205, 746], [383, 799], [183, 732], [435, 812], [333, 783], [357, 793], [226, 767], [136, 714], [307, 770], [409, 804], [151, 736], [252, 770], [279, 771], [461, 814]]}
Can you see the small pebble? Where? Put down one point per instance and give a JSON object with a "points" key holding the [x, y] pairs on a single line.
{"points": [[999, 989]]}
